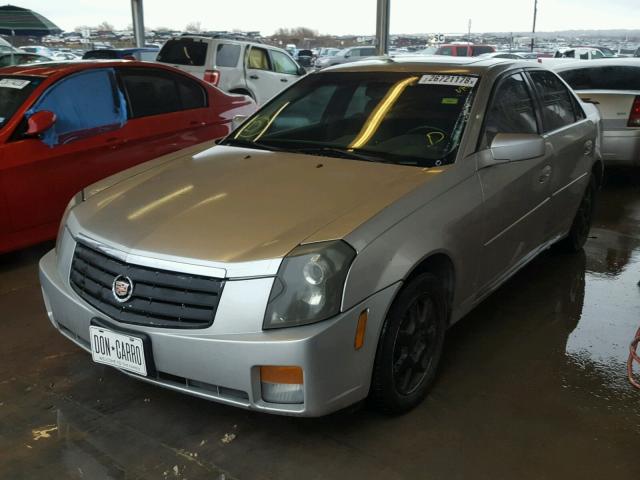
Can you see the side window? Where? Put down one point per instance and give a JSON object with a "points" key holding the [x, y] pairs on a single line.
{"points": [[355, 52], [584, 54], [511, 110], [462, 51], [596, 54], [368, 52], [258, 59], [445, 51], [192, 95], [150, 93], [283, 64], [85, 104], [557, 102], [227, 55]]}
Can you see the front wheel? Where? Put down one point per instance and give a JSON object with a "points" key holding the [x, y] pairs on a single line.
{"points": [[581, 225], [410, 346]]}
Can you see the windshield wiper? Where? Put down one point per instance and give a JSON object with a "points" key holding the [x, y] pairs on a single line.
{"points": [[237, 142], [342, 153]]}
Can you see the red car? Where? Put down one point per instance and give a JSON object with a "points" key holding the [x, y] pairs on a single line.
{"points": [[64, 126], [464, 49]]}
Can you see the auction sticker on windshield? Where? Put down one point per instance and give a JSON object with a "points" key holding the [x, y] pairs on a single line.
{"points": [[14, 83], [117, 350], [456, 80]]}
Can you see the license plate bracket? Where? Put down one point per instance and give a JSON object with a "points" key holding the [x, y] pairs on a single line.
{"points": [[146, 342]]}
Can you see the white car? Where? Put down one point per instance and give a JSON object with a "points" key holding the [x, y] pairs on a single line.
{"points": [[613, 85], [235, 66]]}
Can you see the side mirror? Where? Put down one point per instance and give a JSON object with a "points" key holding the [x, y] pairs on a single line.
{"points": [[514, 147], [40, 122], [237, 121]]}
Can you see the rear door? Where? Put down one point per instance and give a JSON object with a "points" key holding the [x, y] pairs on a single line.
{"points": [[515, 193], [262, 80], [186, 53], [573, 140], [167, 111]]}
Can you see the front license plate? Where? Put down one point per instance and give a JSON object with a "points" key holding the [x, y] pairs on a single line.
{"points": [[117, 350]]}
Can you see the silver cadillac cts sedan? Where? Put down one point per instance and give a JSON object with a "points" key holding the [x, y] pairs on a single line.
{"points": [[317, 256]]}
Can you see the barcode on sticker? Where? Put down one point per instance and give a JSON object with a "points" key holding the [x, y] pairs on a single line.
{"points": [[456, 80], [14, 83]]}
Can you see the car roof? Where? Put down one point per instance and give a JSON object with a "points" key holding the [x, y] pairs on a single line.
{"points": [[436, 63], [55, 69], [600, 62]]}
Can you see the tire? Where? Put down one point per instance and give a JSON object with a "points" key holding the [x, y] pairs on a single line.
{"points": [[415, 327], [579, 232]]}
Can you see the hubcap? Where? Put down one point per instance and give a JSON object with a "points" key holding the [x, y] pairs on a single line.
{"points": [[414, 345]]}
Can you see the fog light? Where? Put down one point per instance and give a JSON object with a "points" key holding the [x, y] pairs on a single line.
{"points": [[282, 384]]}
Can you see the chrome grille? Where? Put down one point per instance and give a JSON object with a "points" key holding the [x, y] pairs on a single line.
{"points": [[160, 298]]}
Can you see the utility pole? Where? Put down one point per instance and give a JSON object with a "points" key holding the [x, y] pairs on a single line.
{"points": [[469, 31], [382, 27], [138, 22], [533, 30]]}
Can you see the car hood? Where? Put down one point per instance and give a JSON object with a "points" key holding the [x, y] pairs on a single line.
{"points": [[229, 204]]}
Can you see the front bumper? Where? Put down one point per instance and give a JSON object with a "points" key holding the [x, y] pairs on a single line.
{"points": [[220, 364]]}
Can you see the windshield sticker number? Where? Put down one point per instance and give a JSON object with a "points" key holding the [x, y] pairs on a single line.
{"points": [[14, 83], [455, 80]]}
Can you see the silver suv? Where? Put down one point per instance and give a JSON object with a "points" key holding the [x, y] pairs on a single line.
{"points": [[235, 66], [347, 55]]}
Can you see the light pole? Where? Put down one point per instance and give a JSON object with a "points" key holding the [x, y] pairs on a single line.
{"points": [[138, 22], [533, 30], [382, 27]]}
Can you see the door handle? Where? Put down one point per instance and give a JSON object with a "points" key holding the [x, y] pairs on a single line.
{"points": [[284, 80], [253, 77], [588, 147], [545, 173]]}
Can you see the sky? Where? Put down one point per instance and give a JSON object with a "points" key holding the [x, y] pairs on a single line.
{"points": [[341, 17]]}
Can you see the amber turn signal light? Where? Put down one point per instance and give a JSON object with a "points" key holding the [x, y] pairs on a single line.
{"points": [[361, 329], [277, 374]]}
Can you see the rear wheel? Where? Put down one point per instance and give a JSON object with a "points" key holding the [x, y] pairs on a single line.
{"points": [[581, 225], [410, 346]]}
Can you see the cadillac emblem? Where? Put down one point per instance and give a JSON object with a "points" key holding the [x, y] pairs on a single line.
{"points": [[122, 288]]}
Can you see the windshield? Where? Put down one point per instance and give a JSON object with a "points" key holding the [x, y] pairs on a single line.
{"points": [[13, 92], [393, 117]]}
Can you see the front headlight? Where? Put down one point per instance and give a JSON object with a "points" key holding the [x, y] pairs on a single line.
{"points": [[77, 199], [309, 284]]}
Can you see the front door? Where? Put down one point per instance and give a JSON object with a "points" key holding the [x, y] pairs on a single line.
{"points": [[81, 147], [262, 80], [515, 194]]}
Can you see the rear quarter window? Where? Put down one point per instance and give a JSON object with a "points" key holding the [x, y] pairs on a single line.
{"points": [[227, 55], [603, 78], [183, 51]]}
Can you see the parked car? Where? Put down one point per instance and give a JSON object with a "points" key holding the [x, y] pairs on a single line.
{"points": [[305, 58], [38, 50], [65, 56], [142, 53], [12, 58], [585, 53], [613, 85], [464, 49], [236, 66], [511, 55], [346, 55], [67, 125], [319, 253]]}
